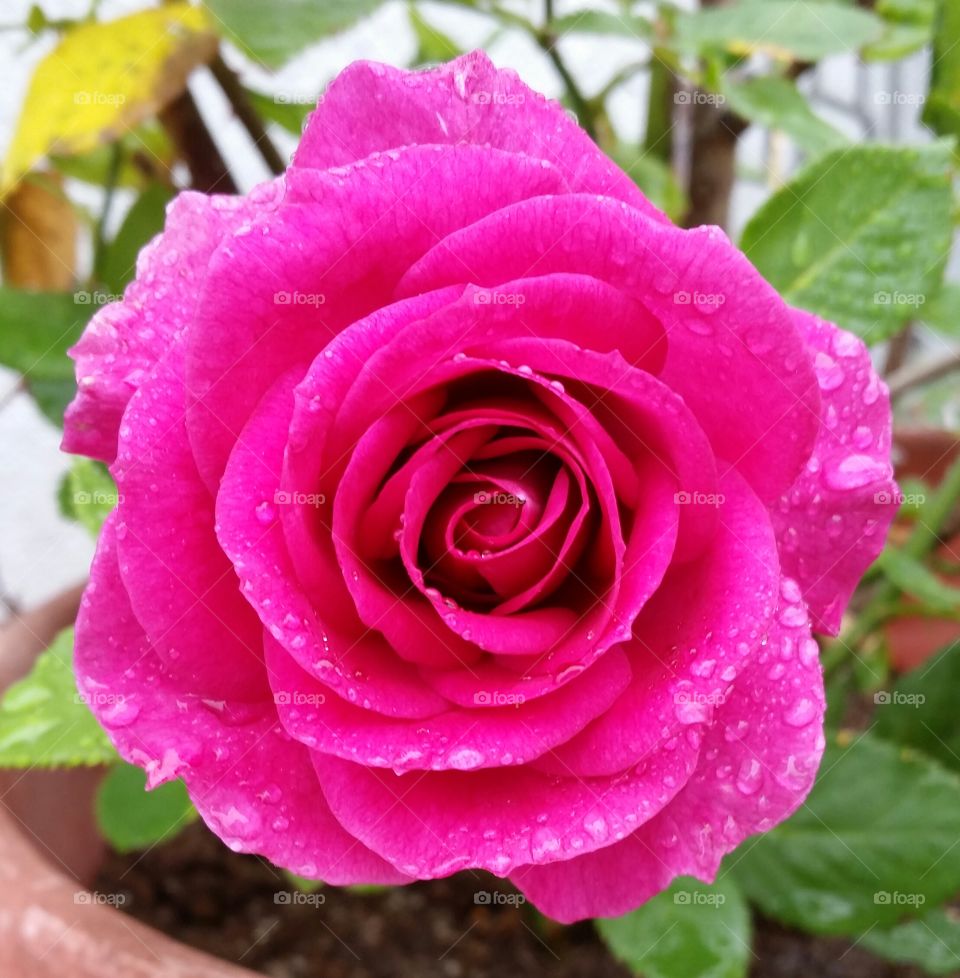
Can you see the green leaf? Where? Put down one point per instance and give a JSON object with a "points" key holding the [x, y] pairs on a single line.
{"points": [[875, 840], [130, 817], [144, 219], [913, 577], [800, 30], [921, 709], [931, 941], [653, 177], [603, 23], [942, 111], [44, 722], [775, 103], [861, 236], [690, 930], [36, 329], [433, 46], [942, 312], [273, 36], [289, 111], [87, 494]]}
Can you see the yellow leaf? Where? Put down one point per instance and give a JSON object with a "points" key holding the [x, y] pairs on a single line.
{"points": [[104, 78]]}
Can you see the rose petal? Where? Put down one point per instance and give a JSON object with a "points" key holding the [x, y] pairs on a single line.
{"points": [[833, 521], [250, 782]]}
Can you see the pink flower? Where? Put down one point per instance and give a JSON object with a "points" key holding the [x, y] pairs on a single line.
{"points": [[473, 515]]}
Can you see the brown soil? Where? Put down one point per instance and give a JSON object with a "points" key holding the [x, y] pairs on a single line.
{"points": [[230, 905]]}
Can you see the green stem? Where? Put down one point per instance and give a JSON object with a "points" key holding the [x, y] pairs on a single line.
{"points": [[109, 190]]}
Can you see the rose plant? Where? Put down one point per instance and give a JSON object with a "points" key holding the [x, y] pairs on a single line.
{"points": [[472, 515]]}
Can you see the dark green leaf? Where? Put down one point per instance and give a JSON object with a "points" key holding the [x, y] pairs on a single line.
{"points": [[921, 709], [130, 817], [875, 840], [860, 237], [931, 941], [690, 930], [144, 219], [604, 23], [942, 111], [287, 110], [36, 329]]}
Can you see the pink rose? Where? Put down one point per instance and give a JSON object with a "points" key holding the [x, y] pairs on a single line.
{"points": [[473, 515]]}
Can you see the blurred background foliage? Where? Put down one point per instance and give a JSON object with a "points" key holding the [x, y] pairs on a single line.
{"points": [[852, 226]]}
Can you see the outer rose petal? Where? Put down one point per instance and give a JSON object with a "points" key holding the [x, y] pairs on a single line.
{"points": [[180, 583], [832, 522], [373, 107], [250, 782], [757, 764], [125, 339]]}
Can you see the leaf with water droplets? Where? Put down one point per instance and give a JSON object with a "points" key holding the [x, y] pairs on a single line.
{"points": [[875, 224], [44, 721]]}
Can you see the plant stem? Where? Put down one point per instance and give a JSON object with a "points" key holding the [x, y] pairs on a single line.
{"points": [[239, 101], [109, 189]]}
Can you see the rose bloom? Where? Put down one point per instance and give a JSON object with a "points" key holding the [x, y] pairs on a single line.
{"points": [[472, 514]]}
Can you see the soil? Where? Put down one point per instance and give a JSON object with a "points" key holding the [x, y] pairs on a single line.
{"points": [[242, 909]]}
